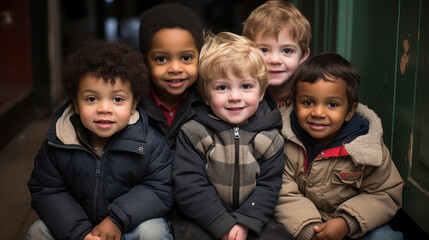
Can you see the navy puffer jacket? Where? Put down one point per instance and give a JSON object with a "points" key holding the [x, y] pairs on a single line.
{"points": [[73, 188]]}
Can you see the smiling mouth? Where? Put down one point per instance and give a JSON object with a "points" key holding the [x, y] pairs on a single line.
{"points": [[103, 122], [276, 72], [176, 80], [235, 108], [318, 126]]}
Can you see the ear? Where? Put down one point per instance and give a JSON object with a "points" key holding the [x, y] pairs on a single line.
{"points": [[351, 112], [206, 101], [305, 55], [76, 106], [135, 102], [261, 96]]}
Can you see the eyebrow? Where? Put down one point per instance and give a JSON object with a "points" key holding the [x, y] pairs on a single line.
{"points": [[166, 51], [328, 97], [94, 91]]}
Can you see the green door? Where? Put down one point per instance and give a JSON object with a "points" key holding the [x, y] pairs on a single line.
{"points": [[411, 122], [388, 41]]}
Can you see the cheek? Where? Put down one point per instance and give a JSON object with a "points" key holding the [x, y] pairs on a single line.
{"points": [[216, 101], [301, 114], [193, 71], [293, 64], [156, 72]]}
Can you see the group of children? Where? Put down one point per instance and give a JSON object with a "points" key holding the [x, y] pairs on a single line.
{"points": [[214, 137]]}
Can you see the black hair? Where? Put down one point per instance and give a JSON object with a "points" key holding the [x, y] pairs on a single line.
{"points": [[326, 66], [169, 15], [109, 61]]}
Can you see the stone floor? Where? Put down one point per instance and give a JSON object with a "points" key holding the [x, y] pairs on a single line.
{"points": [[16, 164]]}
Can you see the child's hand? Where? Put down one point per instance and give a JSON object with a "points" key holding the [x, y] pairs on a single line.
{"points": [[334, 229], [238, 232], [107, 229], [89, 236]]}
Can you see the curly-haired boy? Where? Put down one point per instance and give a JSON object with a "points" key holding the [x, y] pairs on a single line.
{"points": [[102, 172]]}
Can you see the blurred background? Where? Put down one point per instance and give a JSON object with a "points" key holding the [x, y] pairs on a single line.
{"points": [[387, 40]]}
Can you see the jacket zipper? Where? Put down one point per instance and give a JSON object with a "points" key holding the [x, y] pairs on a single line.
{"points": [[96, 185], [236, 186], [97, 171]]}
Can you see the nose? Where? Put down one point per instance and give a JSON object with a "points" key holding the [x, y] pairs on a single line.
{"points": [[234, 95], [274, 58], [104, 107], [318, 112], [175, 67]]}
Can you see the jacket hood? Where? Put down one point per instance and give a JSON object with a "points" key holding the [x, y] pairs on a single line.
{"points": [[365, 149], [263, 119], [63, 129]]}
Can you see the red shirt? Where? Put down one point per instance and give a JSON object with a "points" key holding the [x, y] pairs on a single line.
{"points": [[169, 112]]}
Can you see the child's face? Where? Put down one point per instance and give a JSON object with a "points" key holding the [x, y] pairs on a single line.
{"points": [[282, 56], [321, 108], [173, 63], [104, 108], [234, 99]]}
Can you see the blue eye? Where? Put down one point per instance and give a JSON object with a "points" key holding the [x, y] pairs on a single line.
{"points": [[247, 86], [288, 51], [264, 50], [221, 88]]}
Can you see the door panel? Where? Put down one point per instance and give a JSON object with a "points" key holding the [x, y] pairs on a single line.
{"points": [[15, 53]]}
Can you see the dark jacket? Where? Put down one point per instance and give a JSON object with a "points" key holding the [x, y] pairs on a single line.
{"points": [[73, 188], [225, 175], [159, 122]]}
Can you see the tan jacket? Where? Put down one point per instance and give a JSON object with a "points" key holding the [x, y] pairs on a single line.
{"points": [[357, 181]]}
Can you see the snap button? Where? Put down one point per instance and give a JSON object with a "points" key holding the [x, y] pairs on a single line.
{"points": [[140, 149]]}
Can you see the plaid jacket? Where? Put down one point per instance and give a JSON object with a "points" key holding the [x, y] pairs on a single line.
{"points": [[225, 175]]}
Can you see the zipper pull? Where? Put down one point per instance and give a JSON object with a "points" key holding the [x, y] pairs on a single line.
{"points": [[98, 168], [236, 134]]}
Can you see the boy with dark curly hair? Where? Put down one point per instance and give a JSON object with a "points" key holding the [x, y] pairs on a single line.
{"points": [[102, 172]]}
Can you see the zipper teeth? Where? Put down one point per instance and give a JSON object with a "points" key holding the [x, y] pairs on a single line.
{"points": [[236, 170]]}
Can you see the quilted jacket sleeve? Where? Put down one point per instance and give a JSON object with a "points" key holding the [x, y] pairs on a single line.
{"points": [[48, 189]]}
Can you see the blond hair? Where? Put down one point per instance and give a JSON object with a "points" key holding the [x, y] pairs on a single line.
{"points": [[272, 16], [227, 52]]}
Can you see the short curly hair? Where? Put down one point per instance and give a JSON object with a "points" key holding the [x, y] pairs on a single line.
{"points": [[226, 52], [107, 60], [169, 15]]}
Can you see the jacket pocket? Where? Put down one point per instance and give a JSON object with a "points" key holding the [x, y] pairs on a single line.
{"points": [[347, 177]]}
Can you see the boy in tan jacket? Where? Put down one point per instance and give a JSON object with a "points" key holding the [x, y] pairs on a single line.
{"points": [[339, 180]]}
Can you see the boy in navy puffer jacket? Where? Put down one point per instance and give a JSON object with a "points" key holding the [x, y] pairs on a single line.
{"points": [[102, 172]]}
